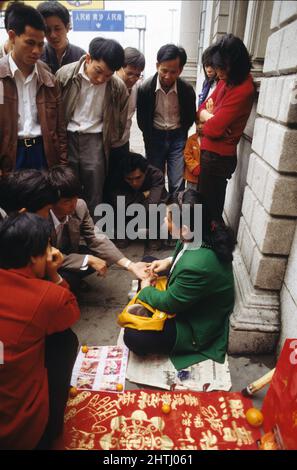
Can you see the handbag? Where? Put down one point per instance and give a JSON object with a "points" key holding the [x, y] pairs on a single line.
{"points": [[141, 316]]}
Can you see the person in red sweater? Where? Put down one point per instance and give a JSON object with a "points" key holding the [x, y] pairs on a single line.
{"points": [[39, 347], [223, 118]]}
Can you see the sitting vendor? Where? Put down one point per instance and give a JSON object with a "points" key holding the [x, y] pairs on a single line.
{"points": [[200, 292]]}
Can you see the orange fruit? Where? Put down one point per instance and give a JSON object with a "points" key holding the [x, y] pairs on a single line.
{"points": [[254, 417], [166, 408], [119, 387], [84, 349], [73, 392]]}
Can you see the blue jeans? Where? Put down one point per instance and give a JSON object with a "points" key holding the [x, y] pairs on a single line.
{"points": [[31, 157], [167, 147]]}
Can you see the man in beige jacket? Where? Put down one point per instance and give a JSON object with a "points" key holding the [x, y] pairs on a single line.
{"points": [[96, 104]]}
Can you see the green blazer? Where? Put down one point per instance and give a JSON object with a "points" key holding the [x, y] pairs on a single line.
{"points": [[200, 292]]}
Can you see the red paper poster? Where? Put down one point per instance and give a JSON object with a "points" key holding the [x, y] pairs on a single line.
{"points": [[135, 420], [280, 403]]}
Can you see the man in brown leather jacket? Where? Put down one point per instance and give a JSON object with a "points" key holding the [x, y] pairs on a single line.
{"points": [[32, 128]]}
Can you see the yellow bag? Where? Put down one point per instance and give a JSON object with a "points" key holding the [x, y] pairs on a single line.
{"points": [[142, 321]]}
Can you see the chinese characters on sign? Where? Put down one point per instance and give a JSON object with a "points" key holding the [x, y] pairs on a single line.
{"points": [[100, 20]]}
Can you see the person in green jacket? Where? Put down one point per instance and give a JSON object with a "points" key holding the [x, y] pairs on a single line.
{"points": [[200, 292]]}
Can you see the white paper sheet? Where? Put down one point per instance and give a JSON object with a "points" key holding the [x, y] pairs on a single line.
{"points": [[158, 371], [102, 368]]}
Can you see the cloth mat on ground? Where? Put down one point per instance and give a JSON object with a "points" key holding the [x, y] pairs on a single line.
{"points": [[134, 420]]}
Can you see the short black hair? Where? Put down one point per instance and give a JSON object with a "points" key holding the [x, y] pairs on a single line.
{"points": [[64, 180], [206, 58], [22, 16], [30, 189], [12, 6], [134, 57], [108, 50], [53, 8], [6, 165], [133, 161], [216, 235], [230, 52], [172, 52], [22, 236]]}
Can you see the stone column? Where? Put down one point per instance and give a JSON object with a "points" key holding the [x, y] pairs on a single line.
{"points": [[221, 19], [189, 25], [269, 208], [257, 31]]}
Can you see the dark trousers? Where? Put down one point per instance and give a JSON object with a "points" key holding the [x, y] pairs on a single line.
{"points": [[215, 171], [87, 158], [151, 342], [74, 278], [115, 174], [32, 156], [60, 355], [154, 342], [166, 148]]}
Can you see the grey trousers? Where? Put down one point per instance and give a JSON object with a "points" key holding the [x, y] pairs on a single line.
{"points": [[86, 156]]}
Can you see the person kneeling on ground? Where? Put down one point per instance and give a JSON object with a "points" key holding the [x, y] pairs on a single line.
{"points": [[140, 183], [39, 347], [200, 292]]}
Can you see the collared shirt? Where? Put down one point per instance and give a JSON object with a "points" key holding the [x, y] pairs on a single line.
{"points": [[186, 247], [28, 125], [59, 225], [88, 114], [179, 255], [167, 113], [131, 110]]}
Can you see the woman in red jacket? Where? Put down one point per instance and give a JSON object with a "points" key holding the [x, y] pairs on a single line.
{"points": [[223, 118]]}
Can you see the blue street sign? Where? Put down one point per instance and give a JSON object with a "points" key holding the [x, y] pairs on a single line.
{"points": [[98, 20]]}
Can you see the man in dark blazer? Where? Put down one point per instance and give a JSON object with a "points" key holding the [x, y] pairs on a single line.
{"points": [[165, 111]]}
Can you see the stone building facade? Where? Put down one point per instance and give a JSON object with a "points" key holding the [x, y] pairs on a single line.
{"points": [[261, 200]]}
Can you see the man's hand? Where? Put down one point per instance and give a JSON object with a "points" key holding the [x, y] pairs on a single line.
{"points": [[53, 263], [98, 264], [140, 269]]}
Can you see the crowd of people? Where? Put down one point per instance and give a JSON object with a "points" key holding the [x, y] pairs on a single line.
{"points": [[65, 121]]}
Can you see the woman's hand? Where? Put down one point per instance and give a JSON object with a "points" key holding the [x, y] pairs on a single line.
{"points": [[210, 106], [160, 265], [145, 283]]}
